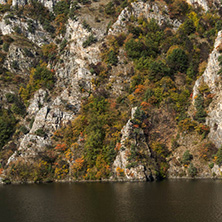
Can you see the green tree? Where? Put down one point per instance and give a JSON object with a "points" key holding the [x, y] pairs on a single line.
{"points": [[177, 61], [187, 157], [112, 58], [7, 126], [135, 49], [192, 170], [201, 114], [187, 27], [95, 128], [157, 70], [219, 157]]}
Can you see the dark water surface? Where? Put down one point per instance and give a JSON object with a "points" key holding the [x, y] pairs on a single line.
{"points": [[167, 201]]}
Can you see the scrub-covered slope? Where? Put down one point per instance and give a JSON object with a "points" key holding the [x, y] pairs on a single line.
{"points": [[126, 90]]}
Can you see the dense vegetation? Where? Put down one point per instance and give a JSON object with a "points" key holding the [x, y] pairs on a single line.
{"points": [[164, 64]]}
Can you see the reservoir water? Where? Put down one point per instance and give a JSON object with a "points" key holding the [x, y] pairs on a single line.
{"points": [[166, 201]]}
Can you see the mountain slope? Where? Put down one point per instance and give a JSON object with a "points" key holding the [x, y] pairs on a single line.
{"points": [[104, 90]]}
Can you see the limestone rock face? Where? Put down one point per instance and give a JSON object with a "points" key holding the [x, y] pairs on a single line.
{"points": [[217, 170], [121, 166], [3, 1], [47, 117], [202, 3], [37, 101], [17, 61], [73, 74], [205, 4], [214, 120], [121, 162], [148, 10], [212, 79], [39, 37], [48, 4], [210, 75], [50, 112]]}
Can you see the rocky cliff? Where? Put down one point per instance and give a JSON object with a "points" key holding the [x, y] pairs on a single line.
{"points": [[72, 75], [212, 78], [205, 4]]}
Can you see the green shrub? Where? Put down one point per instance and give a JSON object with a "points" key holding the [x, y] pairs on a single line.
{"points": [[40, 77], [157, 70], [131, 165], [5, 46], [200, 114], [40, 132], [48, 27], [187, 27], [18, 108], [7, 126], [15, 64], [86, 26], [112, 58], [43, 77], [31, 122], [7, 22], [10, 15], [177, 61], [174, 144], [31, 26], [148, 94], [38, 12], [61, 7], [211, 165], [191, 73], [178, 8], [17, 29], [135, 49], [90, 40], [11, 97], [192, 171], [74, 6], [50, 51], [218, 25], [110, 8], [187, 157], [28, 53], [4, 8], [23, 129], [219, 157], [135, 30], [84, 2], [63, 44], [8, 39]]}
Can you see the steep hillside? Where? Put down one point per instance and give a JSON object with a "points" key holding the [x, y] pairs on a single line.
{"points": [[110, 90]]}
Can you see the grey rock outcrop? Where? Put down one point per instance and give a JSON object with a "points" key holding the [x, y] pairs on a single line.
{"points": [[212, 79], [18, 62], [214, 120], [39, 37], [121, 166], [47, 3], [210, 75], [73, 73], [50, 112], [3, 2], [47, 118], [138, 9], [202, 3], [205, 4]]}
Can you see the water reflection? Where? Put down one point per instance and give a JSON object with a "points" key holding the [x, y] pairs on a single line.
{"points": [[175, 200]]}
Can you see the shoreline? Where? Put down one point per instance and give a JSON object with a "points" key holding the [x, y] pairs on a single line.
{"points": [[106, 181]]}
